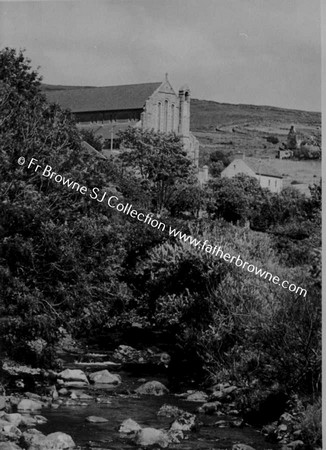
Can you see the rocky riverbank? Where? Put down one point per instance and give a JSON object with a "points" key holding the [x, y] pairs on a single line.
{"points": [[97, 392]]}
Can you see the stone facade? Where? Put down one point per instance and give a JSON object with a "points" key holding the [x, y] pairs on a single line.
{"points": [[106, 110], [259, 169], [165, 111]]}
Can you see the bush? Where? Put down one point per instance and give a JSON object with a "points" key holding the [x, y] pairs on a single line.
{"points": [[273, 139], [311, 425]]}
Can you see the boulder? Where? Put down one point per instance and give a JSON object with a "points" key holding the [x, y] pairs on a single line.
{"points": [[295, 445], [197, 396], [73, 375], [2, 402], [96, 419], [105, 377], [80, 395], [14, 419], [242, 447], [29, 405], [129, 426], [185, 422], [152, 388], [9, 446], [10, 432], [53, 441], [209, 408], [152, 436], [169, 411]]}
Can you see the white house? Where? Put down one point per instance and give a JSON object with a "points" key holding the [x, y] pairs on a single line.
{"points": [[267, 175]]}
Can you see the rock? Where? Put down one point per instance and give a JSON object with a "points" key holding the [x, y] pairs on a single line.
{"points": [[152, 388], [73, 375], [175, 436], [129, 426], [32, 396], [221, 423], [125, 353], [10, 432], [80, 395], [185, 422], [29, 405], [105, 377], [295, 445], [197, 396], [152, 436], [209, 408], [282, 427], [63, 391], [2, 402], [53, 441], [40, 420], [14, 419], [242, 447], [9, 446], [169, 411], [96, 419], [28, 421]]}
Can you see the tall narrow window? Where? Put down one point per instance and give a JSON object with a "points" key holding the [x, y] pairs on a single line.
{"points": [[166, 110], [172, 117], [159, 116]]}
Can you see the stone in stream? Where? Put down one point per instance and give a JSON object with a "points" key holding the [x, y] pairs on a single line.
{"points": [[14, 419], [209, 408], [169, 411], [53, 441], [152, 388], [242, 447], [129, 426], [152, 436], [104, 377], [29, 405], [2, 402], [185, 422], [197, 396], [96, 419], [9, 446], [73, 375], [10, 432]]}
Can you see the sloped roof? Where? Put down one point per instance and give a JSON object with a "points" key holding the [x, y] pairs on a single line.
{"points": [[91, 150], [109, 98], [262, 167]]}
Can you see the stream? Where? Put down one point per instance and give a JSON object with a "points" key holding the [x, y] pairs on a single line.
{"points": [[143, 409]]}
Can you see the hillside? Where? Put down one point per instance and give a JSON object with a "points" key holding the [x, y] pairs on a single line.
{"points": [[234, 128]]}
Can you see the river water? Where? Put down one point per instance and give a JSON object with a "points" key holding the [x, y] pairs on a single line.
{"points": [[143, 409]]}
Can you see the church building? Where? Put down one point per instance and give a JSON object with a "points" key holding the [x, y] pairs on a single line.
{"points": [[106, 110]]}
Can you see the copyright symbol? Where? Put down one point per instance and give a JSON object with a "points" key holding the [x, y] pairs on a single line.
{"points": [[21, 161]]}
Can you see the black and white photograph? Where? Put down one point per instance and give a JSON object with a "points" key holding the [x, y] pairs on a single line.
{"points": [[160, 224]]}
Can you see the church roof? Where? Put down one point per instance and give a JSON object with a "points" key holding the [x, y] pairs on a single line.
{"points": [[108, 98], [262, 167]]}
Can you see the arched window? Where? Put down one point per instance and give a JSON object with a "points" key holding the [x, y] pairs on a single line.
{"points": [[166, 110], [159, 116], [172, 117]]}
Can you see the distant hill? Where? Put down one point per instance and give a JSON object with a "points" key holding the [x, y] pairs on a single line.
{"points": [[208, 115]]}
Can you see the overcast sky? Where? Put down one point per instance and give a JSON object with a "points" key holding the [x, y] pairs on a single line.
{"points": [[264, 52]]}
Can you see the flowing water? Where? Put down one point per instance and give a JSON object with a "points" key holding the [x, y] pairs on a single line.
{"points": [[143, 409]]}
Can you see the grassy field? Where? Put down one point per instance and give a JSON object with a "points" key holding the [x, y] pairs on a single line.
{"points": [[244, 128]]}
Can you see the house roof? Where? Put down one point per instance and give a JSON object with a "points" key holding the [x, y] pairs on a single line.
{"points": [[262, 167], [91, 150], [109, 98]]}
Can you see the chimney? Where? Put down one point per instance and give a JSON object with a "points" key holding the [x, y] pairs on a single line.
{"points": [[239, 155]]}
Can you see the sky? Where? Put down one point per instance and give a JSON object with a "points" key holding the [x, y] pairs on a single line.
{"points": [[262, 52]]}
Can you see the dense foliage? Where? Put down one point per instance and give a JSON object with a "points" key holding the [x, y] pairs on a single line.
{"points": [[69, 260]]}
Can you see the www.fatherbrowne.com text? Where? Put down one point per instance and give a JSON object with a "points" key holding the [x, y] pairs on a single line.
{"points": [[113, 202]]}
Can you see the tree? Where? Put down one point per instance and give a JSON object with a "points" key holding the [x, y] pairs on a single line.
{"points": [[159, 160], [61, 252], [234, 199]]}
